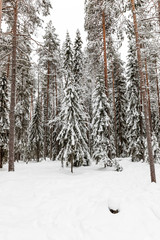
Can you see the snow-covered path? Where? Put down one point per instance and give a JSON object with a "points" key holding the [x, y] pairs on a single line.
{"points": [[45, 202]]}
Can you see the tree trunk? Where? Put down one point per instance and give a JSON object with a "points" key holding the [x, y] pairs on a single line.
{"points": [[148, 131], [46, 114], [148, 94], [56, 93], [1, 157], [1, 2], [72, 158], [37, 151], [13, 92], [159, 11], [8, 65], [114, 110], [157, 83], [31, 107], [105, 53]]}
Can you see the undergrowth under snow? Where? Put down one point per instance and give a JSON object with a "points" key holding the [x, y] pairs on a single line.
{"points": [[42, 201]]}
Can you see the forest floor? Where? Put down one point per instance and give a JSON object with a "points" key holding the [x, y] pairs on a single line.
{"points": [[42, 201]]}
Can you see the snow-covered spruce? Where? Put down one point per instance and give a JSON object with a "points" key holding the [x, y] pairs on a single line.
{"points": [[73, 135], [103, 147], [35, 137]]}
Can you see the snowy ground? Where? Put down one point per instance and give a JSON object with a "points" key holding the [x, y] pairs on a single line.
{"points": [[42, 201]]}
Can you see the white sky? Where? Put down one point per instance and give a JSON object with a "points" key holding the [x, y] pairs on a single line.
{"points": [[68, 15]]}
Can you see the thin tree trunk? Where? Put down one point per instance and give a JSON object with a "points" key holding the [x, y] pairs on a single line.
{"points": [[31, 107], [46, 113], [105, 53], [148, 131], [159, 11], [114, 110], [56, 93], [72, 158], [148, 94], [8, 66], [13, 92], [1, 2], [157, 83], [1, 157], [38, 151]]}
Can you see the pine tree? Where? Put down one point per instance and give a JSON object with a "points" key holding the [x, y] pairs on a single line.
{"points": [[35, 139], [72, 137], [3, 118], [146, 114], [17, 25]]}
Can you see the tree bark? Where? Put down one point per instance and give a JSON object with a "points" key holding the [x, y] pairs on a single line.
{"points": [[8, 66], [1, 157], [157, 83], [105, 53], [13, 92], [46, 115], [148, 94], [56, 93], [1, 2], [148, 130], [159, 11], [114, 110], [31, 107]]}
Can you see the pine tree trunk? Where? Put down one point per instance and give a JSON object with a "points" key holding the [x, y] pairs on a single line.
{"points": [[1, 2], [13, 92], [148, 131], [105, 53], [148, 94]]}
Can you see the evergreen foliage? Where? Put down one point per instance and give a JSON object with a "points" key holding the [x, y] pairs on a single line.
{"points": [[135, 138], [72, 137], [35, 138], [4, 122]]}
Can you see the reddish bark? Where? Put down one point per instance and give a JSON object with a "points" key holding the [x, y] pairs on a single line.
{"points": [[147, 123]]}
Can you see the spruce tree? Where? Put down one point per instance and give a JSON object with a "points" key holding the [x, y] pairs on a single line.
{"points": [[103, 143], [78, 59], [72, 137], [135, 133], [120, 105], [35, 139]]}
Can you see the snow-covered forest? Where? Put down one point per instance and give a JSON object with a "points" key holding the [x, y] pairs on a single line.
{"points": [[73, 116]]}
